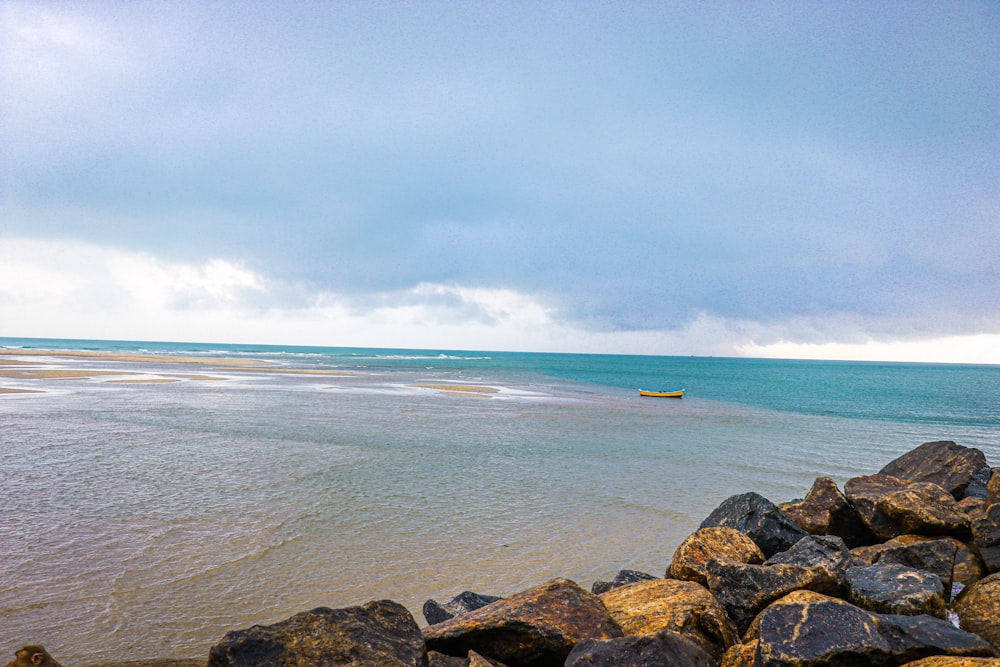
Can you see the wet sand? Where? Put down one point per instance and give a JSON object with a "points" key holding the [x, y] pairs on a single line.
{"points": [[144, 358], [459, 389]]}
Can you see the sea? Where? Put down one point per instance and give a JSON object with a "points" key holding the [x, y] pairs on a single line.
{"points": [[147, 519]]}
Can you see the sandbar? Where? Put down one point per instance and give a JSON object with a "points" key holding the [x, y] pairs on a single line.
{"points": [[296, 371], [54, 373], [459, 389], [136, 357], [145, 380], [11, 390]]}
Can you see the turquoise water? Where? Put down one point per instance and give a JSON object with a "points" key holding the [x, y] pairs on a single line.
{"points": [[147, 520]]}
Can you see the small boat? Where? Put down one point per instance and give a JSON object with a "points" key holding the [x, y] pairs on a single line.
{"points": [[675, 393]]}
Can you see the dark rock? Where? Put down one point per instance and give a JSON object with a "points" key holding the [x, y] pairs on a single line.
{"points": [[759, 519], [692, 556], [978, 608], [986, 537], [623, 578], [156, 662], [980, 481], [685, 607], [895, 589], [744, 590], [944, 463], [834, 632], [435, 659], [934, 556], [826, 511], [536, 627], [378, 633], [464, 602], [827, 551], [666, 648], [890, 506], [992, 494]]}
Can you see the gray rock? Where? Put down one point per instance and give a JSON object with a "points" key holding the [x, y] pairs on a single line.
{"points": [[464, 602], [665, 648], [986, 537], [934, 556], [381, 633], [623, 578], [895, 589], [759, 519]]}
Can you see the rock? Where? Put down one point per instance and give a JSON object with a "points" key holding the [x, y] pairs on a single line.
{"points": [[895, 589], [827, 551], [623, 578], [536, 627], [759, 519], [665, 648], [156, 662], [834, 632], [934, 556], [974, 507], [923, 508], [378, 633], [744, 590], [953, 661], [795, 597], [890, 506], [944, 463], [986, 537], [992, 494], [978, 608], [968, 566], [464, 602], [825, 511], [701, 546], [740, 655], [979, 484], [685, 607], [435, 659]]}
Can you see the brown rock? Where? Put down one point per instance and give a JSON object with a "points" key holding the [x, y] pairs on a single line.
{"points": [[953, 661], [685, 607], [968, 567], [825, 511], [993, 487], [703, 545], [379, 633], [435, 659], [744, 590], [740, 655], [865, 492], [974, 507], [978, 608], [923, 508], [758, 518], [534, 628], [944, 463], [986, 537]]}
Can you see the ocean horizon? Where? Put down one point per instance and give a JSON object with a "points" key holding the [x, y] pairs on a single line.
{"points": [[155, 502]]}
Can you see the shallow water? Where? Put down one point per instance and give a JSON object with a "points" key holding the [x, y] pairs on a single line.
{"points": [[146, 520]]}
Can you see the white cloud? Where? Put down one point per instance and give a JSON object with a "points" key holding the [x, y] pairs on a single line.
{"points": [[63, 289]]}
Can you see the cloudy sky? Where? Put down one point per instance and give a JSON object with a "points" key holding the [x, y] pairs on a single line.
{"points": [[750, 178]]}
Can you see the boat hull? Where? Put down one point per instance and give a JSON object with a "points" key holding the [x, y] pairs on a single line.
{"points": [[677, 393]]}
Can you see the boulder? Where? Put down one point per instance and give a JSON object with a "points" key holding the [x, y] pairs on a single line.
{"points": [[829, 631], [623, 578], [826, 511], [929, 555], [826, 551], [435, 659], [890, 506], [464, 602], [950, 661], [759, 519], [740, 655], [986, 537], [744, 590], [685, 607], [992, 494], [378, 633], [968, 566], [978, 609], [795, 597], [895, 589], [690, 559], [944, 463], [534, 628], [980, 482], [665, 648]]}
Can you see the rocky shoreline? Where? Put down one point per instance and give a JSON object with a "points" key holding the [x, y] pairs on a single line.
{"points": [[901, 567]]}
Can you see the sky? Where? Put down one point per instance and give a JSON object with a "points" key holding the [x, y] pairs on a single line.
{"points": [[793, 179]]}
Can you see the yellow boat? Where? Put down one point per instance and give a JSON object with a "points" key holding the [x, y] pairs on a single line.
{"points": [[676, 393]]}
